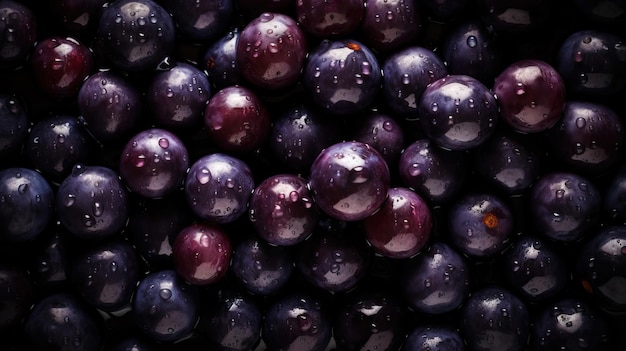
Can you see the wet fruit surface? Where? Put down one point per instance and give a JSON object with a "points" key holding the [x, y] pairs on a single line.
{"points": [[325, 175]]}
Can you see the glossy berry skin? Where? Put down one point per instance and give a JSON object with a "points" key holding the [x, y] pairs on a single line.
{"points": [[458, 112], [299, 134], [433, 338], [282, 210], [55, 144], [92, 202], [135, 35], [154, 224], [326, 19], [27, 204], [335, 262], [106, 275], [481, 224], [437, 280], [271, 51], [18, 33], [237, 120], [202, 21], [534, 269], [568, 324], [402, 225], [387, 25], [342, 76], [60, 65], [60, 321], [218, 187], [370, 320], [600, 268], [110, 106], [297, 321], [588, 138], [13, 125], [154, 163], [469, 49], [515, 16], [509, 162], [232, 323], [531, 95], [349, 180], [434, 173], [261, 268], [220, 61], [202, 253], [177, 97], [406, 74], [494, 319], [165, 308], [565, 205], [382, 132], [16, 296], [592, 62]]}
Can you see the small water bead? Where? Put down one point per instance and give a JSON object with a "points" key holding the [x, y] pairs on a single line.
{"points": [[22, 188], [164, 143], [141, 161], [520, 88], [97, 209], [578, 56], [472, 41]]}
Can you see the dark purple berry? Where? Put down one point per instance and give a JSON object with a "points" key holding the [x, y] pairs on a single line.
{"points": [[402, 226], [495, 319], [200, 21], [342, 76], [201, 253], [271, 51], [406, 74], [55, 144], [26, 204], [218, 187], [110, 105], [135, 35], [178, 96], [92, 202], [349, 180], [154, 163], [434, 173], [564, 205], [437, 280], [388, 25], [326, 19], [531, 95], [282, 210], [18, 32]]}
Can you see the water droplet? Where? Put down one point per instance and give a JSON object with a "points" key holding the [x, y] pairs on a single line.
{"points": [[434, 107], [22, 188], [578, 56], [560, 193], [358, 175], [472, 41], [230, 184], [520, 88], [88, 221], [405, 79], [427, 283], [165, 294], [140, 161], [164, 143], [113, 266], [580, 122], [70, 199], [294, 196], [97, 209]]}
